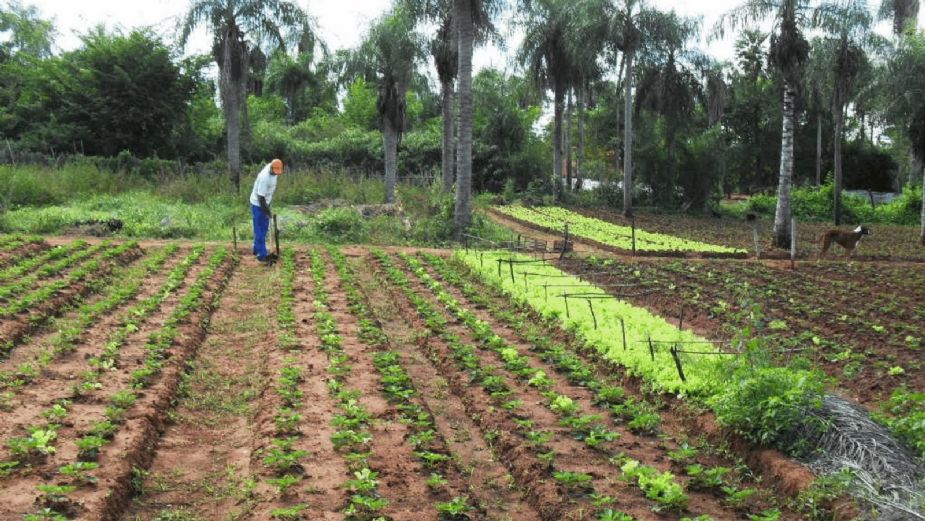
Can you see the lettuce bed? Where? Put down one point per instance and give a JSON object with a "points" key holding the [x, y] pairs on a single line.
{"points": [[609, 233], [704, 373]]}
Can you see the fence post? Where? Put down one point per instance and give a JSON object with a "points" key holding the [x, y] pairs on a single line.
{"points": [[234, 237], [755, 238], [564, 244], [593, 316], [677, 362], [651, 349], [793, 242], [623, 331]]}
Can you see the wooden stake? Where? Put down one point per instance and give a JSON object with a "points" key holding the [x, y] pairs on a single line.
{"points": [[623, 330], [633, 222], [593, 316], [677, 362], [651, 349], [793, 243], [755, 237]]}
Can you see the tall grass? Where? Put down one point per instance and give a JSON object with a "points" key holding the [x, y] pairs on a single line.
{"points": [[204, 206]]}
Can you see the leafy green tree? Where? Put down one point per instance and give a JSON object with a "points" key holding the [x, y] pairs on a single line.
{"points": [[27, 35], [230, 22], [290, 76], [904, 14], [904, 85], [850, 24], [789, 51], [445, 52], [545, 54], [395, 49]]}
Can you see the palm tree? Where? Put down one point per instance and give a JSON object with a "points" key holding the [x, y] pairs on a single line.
{"points": [[632, 24], [394, 48], [444, 50], [818, 83], [230, 22], [789, 51], [589, 31], [473, 17], [850, 24], [289, 75], [904, 13], [544, 52]]}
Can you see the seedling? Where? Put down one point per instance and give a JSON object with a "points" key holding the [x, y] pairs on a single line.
{"points": [[292, 513], [88, 447], [80, 472], [564, 406], [284, 483], [609, 514], [573, 481], [436, 481], [454, 509]]}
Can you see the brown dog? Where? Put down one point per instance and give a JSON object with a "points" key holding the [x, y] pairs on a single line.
{"points": [[847, 240]]}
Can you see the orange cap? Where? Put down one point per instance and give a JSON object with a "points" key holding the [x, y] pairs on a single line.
{"points": [[277, 166]]}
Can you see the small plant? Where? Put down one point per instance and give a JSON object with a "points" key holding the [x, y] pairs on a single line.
{"points": [[706, 478], [683, 454], [431, 459], [88, 447], [57, 412], [292, 513], [365, 481], [46, 514], [609, 514], [767, 515], [564, 406], [647, 422], [436, 481], [573, 480], [735, 497], [284, 483], [55, 497], [123, 399], [80, 472], [38, 444], [454, 509]]}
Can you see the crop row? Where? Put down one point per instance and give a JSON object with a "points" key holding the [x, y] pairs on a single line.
{"points": [[124, 287], [41, 261], [638, 416], [13, 241], [68, 256], [555, 219], [429, 447], [48, 300], [54, 498]]}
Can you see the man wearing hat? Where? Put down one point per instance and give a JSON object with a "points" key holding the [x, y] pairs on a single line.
{"points": [[261, 197]]}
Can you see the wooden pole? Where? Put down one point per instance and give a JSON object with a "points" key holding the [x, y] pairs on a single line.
{"points": [[793, 243], [276, 235], [755, 238], [234, 237]]}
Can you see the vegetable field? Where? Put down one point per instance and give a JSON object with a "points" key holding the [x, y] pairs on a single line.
{"points": [[174, 380]]}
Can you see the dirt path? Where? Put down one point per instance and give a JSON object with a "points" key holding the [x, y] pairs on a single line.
{"points": [[202, 468]]}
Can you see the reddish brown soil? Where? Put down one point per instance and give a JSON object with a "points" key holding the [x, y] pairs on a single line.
{"points": [[11, 257], [842, 307], [650, 450], [137, 436], [488, 483], [13, 329]]}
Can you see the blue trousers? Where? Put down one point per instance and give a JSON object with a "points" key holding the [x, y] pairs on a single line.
{"points": [[261, 226]]}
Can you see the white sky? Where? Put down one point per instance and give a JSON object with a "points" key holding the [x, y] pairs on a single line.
{"points": [[342, 23]]}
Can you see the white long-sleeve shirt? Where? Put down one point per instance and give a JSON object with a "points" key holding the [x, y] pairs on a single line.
{"points": [[264, 185]]}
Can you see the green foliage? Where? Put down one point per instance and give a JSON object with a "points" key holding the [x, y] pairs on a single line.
{"points": [[766, 404], [904, 414], [341, 225]]}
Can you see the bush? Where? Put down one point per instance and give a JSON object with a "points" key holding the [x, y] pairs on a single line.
{"points": [[341, 225], [817, 204], [767, 404]]}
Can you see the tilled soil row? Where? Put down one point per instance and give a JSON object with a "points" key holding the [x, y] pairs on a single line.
{"points": [[788, 477], [14, 329], [400, 474], [11, 256], [489, 484], [80, 348], [648, 449], [136, 433], [550, 500], [147, 420], [323, 469], [31, 401]]}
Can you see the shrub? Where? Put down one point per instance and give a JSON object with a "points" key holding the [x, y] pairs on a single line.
{"points": [[341, 225], [767, 404]]}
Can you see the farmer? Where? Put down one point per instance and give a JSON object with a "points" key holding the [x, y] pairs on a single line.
{"points": [[261, 197]]}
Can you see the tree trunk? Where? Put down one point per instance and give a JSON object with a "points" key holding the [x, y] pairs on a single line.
{"points": [[449, 136], [567, 142], [247, 137], [580, 153], [839, 123], [628, 136], [390, 144], [783, 214], [290, 101], [463, 211], [819, 148], [559, 103], [229, 90], [923, 208]]}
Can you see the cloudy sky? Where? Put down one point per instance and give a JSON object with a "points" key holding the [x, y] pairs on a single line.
{"points": [[342, 22]]}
